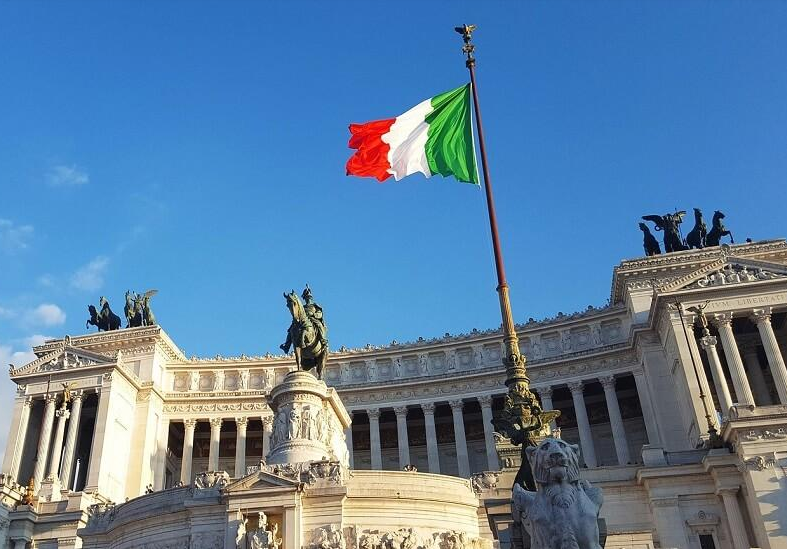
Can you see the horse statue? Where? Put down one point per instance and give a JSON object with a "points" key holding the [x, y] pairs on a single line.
{"points": [[130, 310], [650, 243], [304, 337], [137, 309], [105, 320], [670, 224], [718, 230], [697, 236]]}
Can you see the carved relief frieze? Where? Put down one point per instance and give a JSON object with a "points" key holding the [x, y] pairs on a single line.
{"points": [[757, 463], [200, 407]]}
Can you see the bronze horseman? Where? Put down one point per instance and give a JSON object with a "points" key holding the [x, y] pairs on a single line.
{"points": [[308, 333], [105, 320], [670, 224]]}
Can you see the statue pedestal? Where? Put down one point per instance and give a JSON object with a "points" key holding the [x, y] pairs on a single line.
{"points": [[309, 422]]}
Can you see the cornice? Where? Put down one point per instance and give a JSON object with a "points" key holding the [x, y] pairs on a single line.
{"points": [[126, 339]]}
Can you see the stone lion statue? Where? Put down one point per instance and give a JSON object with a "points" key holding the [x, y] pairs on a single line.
{"points": [[563, 512]]}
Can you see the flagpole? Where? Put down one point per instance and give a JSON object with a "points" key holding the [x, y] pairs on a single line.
{"points": [[521, 416]]}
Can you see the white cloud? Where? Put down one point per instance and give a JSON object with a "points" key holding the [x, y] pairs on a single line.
{"points": [[67, 176], [47, 314], [17, 358], [14, 237], [36, 339], [46, 280], [7, 313], [90, 277]]}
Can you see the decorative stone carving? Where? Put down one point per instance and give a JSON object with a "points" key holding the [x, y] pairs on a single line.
{"points": [[757, 463], [328, 537], [410, 538], [485, 480], [100, 515], [563, 512], [218, 380], [211, 480], [193, 381]]}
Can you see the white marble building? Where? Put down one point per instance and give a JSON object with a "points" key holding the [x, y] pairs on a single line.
{"points": [[144, 420]]}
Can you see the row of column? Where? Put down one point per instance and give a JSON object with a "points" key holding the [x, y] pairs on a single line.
{"points": [[433, 456], [241, 423], [61, 456], [741, 382], [583, 423]]}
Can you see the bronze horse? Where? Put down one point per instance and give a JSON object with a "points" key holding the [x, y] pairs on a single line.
{"points": [[696, 237], [106, 320], [310, 353], [718, 230]]}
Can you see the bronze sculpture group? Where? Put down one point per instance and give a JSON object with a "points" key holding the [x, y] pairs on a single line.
{"points": [[137, 311], [699, 237], [308, 333]]}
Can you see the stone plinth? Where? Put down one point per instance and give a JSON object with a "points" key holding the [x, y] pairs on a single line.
{"points": [[309, 422]]}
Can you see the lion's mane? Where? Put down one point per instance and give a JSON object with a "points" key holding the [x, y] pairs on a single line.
{"points": [[541, 455]]}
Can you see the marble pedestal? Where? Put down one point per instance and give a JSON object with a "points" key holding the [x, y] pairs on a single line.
{"points": [[309, 422], [50, 489]]}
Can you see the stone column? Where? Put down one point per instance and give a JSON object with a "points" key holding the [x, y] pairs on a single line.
{"points": [[401, 431], [743, 393], [240, 446], [762, 318], [651, 427], [585, 434], [492, 462], [374, 438], [348, 438], [708, 343], [734, 518], [616, 420], [753, 368], [57, 449], [161, 447], [215, 439], [462, 459], [43, 441], [188, 451], [18, 441], [545, 394], [267, 429], [432, 454], [71, 439]]}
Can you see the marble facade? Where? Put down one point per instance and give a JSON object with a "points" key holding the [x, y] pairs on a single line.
{"points": [[146, 424]]}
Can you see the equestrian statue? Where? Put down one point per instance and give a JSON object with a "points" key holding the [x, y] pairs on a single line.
{"points": [[670, 224], [307, 334], [137, 309], [105, 320], [718, 230]]}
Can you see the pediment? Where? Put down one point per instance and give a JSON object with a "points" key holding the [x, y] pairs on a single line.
{"points": [[63, 357], [727, 271], [260, 480]]}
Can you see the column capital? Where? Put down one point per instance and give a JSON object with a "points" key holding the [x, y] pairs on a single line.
{"points": [[708, 341], [727, 491], [373, 413], [27, 402], [576, 386], [544, 392], [456, 405], [50, 399], [608, 381], [241, 421], [215, 423], [485, 401], [761, 316], [428, 408], [400, 411], [267, 422], [190, 423], [722, 319], [63, 413]]}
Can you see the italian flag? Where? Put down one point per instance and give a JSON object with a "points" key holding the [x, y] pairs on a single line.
{"points": [[434, 137]]}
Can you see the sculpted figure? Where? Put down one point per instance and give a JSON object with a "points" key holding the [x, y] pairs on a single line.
{"points": [[218, 380], [650, 243], [295, 425], [563, 512], [280, 428], [307, 333], [718, 230], [670, 224], [243, 380], [696, 237], [423, 363], [194, 381], [306, 423], [105, 320]]}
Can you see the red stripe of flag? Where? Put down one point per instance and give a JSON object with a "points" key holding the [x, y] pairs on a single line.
{"points": [[371, 160]]}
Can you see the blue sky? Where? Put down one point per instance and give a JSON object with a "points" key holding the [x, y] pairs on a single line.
{"points": [[198, 148]]}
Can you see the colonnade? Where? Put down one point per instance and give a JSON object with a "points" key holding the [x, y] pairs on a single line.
{"points": [[748, 382], [457, 406], [56, 454], [241, 424]]}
